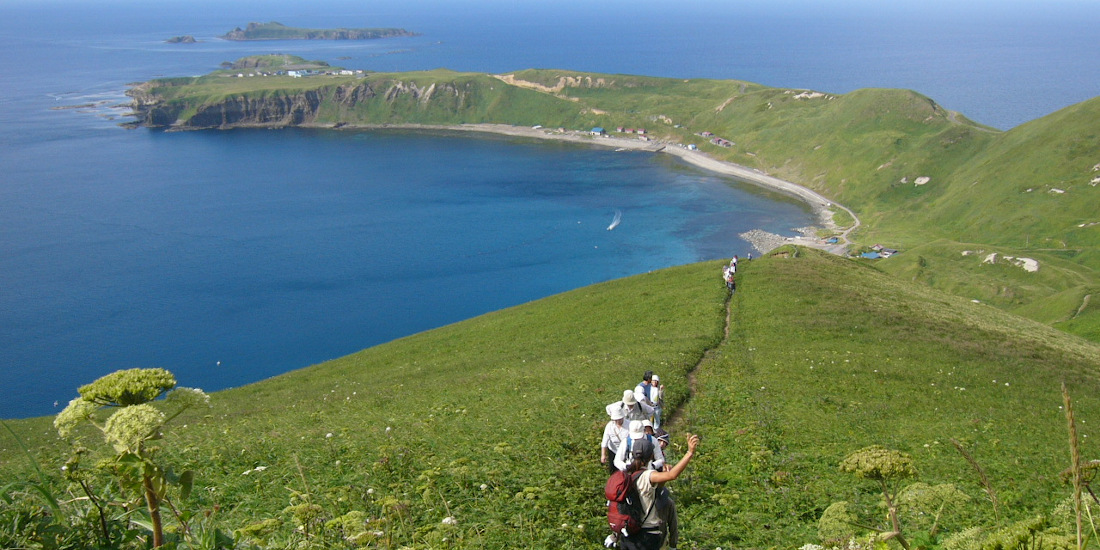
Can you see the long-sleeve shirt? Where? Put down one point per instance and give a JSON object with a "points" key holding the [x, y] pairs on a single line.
{"points": [[640, 411], [613, 436], [658, 462]]}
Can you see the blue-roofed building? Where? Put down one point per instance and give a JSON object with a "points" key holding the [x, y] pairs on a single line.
{"points": [[870, 255], [597, 131]]}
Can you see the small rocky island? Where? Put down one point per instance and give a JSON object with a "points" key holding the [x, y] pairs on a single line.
{"points": [[278, 31], [185, 39]]}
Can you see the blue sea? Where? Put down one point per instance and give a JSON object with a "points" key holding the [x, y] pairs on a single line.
{"points": [[230, 257]]}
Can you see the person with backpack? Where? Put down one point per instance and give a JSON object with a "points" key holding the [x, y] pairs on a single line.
{"points": [[638, 433], [631, 407], [632, 497], [614, 434]]}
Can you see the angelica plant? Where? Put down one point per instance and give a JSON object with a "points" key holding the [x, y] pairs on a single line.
{"points": [[133, 423], [887, 467]]}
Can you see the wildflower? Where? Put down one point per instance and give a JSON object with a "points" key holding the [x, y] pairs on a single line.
{"points": [[875, 462], [450, 520], [130, 426], [328, 435], [484, 486], [76, 412], [128, 387], [188, 397], [370, 491]]}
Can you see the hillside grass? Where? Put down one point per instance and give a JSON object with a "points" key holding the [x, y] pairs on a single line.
{"points": [[495, 421], [827, 356]]}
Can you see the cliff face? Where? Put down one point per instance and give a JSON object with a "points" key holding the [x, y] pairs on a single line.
{"points": [[278, 110], [344, 104]]}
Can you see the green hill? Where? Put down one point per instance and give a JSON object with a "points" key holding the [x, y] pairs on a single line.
{"points": [[495, 421], [921, 179]]}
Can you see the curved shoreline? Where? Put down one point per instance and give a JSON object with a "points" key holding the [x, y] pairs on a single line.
{"points": [[821, 206]]}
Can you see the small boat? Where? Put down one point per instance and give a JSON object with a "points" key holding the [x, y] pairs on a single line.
{"points": [[615, 222]]}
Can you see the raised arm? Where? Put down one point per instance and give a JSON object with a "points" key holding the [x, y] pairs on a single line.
{"points": [[662, 477]]}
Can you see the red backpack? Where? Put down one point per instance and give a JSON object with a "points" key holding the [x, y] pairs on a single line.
{"points": [[624, 505]]}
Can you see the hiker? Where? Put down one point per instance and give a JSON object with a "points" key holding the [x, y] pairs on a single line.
{"points": [[632, 409], [649, 538], [643, 392], [666, 507], [731, 284], [614, 433], [637, 433], [658, 400]]}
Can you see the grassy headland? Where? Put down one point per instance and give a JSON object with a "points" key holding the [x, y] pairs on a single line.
{"points": [[278, 31], [495, 421], [921, 178]]}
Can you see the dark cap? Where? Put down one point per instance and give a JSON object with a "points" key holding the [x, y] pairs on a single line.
{"points": [[641, 449]]}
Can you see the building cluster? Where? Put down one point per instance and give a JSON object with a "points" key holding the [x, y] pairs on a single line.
{"points": [[716, 140], [303, 72]]}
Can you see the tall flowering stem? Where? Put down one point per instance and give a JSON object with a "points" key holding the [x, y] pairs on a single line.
{"points": [[885, 466], [1075, 461], [134, 422]]}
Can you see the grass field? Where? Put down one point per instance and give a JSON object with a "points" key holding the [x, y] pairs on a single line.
{"points": [[495, 421]]}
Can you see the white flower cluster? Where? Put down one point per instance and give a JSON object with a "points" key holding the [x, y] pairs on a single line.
{"points": [[129, 427], [188, 397]]}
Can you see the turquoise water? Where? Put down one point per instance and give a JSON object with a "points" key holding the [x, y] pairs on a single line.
{"points": [[230, 257]]}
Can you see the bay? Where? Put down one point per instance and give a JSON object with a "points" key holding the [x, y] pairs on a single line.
{"points": [[229, 257]]}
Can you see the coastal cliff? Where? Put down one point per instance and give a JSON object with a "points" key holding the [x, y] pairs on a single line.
{"points": [[336, 104]]}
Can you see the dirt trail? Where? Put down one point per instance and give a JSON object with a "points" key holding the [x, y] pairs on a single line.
{"points": [[678, 418]]}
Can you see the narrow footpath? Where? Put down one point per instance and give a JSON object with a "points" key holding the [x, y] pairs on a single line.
{"points": [[678, 419]]}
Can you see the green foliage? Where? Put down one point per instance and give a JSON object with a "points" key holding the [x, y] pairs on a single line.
{"points": [[493, 424], [923, 506], [128, 430], [837, 524]]}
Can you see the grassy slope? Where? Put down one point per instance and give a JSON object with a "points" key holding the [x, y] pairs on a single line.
{"points": [[825, 356]]}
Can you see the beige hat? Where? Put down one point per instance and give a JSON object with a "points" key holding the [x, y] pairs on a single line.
{"points": [[616, 413], [628, 398], [637, 430]]}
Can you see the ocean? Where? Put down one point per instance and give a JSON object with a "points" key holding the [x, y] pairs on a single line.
{"points": [[230, 257]]}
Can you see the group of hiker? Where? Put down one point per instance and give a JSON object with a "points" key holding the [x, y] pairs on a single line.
{"points": [[729, 272], [641, 512]]}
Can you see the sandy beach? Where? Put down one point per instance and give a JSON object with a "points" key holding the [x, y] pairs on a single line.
{"points": [[762, 241]]}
